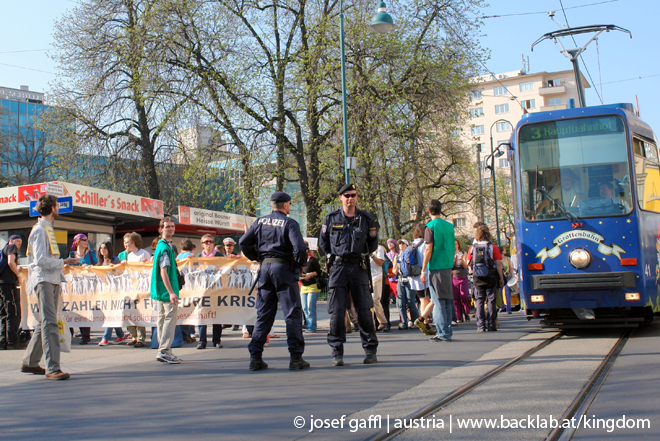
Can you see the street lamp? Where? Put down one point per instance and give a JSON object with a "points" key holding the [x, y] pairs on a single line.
{"points": [[381, 23], [492, 158]]}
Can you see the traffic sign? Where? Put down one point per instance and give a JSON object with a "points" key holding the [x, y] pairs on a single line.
{"points": [[65, 205]]}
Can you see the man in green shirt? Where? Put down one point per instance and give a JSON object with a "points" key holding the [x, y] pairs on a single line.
{"points": [[165, 291], [436, 268]]}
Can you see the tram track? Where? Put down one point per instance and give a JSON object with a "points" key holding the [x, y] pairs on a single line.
{"points": [[580, 405], [464, 390], [576, 409]]}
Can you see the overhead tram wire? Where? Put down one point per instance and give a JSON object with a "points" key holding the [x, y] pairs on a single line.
{"points": [[27, 68], [582, 59], [457, 35], [545, 12]]}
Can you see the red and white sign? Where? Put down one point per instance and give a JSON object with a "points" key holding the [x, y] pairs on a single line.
{"points": [[214, 219], [87, 197]]}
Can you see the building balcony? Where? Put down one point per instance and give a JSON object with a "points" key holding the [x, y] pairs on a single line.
{"points": [[556, 90], [550, 108]]}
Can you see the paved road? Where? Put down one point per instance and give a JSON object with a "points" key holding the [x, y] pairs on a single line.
{"points": [[212, 395], [123, 393]]}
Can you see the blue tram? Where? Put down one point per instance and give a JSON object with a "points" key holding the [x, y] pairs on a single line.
{"points": [[587, 225]]}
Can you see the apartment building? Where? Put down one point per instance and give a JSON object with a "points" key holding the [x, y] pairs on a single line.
{"points": [[497, 103]]}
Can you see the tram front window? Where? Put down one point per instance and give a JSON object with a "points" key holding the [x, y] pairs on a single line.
{"points": [[579, 166]]}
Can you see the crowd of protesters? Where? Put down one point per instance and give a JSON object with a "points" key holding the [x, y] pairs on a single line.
{"points": [[445, 293]]}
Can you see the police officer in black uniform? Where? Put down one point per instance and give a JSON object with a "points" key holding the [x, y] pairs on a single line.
{"points": [[275, 241], [349, 236]]}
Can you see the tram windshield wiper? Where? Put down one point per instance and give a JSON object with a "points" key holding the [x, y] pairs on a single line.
{"points": [[573, 218]]}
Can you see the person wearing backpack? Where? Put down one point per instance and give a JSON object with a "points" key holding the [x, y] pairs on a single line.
{"points": [[486, 263], [406, 299], [10, 296]]}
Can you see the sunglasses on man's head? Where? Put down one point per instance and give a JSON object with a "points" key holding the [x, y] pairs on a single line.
{"points": [[350, 195]]}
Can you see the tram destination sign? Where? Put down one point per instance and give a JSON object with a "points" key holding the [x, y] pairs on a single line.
{"points": [[65, 205], [570, 128]]}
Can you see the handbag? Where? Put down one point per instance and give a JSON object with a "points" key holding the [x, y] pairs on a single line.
{"points": [[321, 281], [180, 278]]}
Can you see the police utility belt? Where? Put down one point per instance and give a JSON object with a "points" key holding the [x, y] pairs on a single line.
{"points": [[278, 260], [348, 260]]}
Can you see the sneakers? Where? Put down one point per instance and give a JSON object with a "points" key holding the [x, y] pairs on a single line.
{"points": [[481, 330], [453, 323], [58, 375], [201, 345], [167, 358], [422, 327], [297, 364], [103, 342], [403, 327], [257, 363], [139, 344], [119, 340], [370, 358], [37, 370], [337, 360], [131, 343], [218, 345]]}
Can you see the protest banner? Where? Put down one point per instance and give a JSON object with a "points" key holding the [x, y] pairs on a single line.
{"points": [[215, 292]]}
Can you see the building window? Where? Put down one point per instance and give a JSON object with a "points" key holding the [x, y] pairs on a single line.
{"points": [[499, 91], [502, 108], [526, 87], [478, 130], [475, 95], [474, 113], [555, 83], [474, 147], [455, 133], [459, 222], [504, 163], [528, 104], [554, 101], [503, 126]]}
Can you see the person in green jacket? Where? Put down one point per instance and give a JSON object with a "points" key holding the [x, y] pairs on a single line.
{"points": [[165, 291]]}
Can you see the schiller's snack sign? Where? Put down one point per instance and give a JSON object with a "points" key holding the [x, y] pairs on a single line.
{"points": [[96, 198]]}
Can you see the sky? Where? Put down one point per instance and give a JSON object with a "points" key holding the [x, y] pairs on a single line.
{"points": [[628, 69]]}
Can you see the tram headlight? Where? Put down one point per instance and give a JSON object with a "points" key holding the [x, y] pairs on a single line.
{"points": [[579, 258]]}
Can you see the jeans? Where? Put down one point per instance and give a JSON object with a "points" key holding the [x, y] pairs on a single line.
{"points": [[441, 315], [406, 301], [10, 314], [486, 296], [309, 308], [176, 343], [107, 335]]}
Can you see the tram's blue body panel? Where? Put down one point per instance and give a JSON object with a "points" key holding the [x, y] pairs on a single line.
{"points": [[608, 239]]}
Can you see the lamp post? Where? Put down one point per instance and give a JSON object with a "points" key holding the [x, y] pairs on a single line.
{"points": [[492, 158], [381, 23]]}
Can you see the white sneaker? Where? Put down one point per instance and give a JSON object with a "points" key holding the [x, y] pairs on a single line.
{"points": [[167, 358], [103, 342]]}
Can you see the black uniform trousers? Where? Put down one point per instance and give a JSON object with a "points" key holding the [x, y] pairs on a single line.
{"points": [[278, 282], [345, 279], [10, 313]]}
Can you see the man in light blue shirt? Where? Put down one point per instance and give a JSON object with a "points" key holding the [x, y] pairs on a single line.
{"points": [[45, 278]]}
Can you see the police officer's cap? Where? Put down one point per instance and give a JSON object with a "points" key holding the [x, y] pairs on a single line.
{"points": [[346, 188], [280, 196]]}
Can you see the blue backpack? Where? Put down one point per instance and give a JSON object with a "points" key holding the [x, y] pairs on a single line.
{"points": [[410, 264]]}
